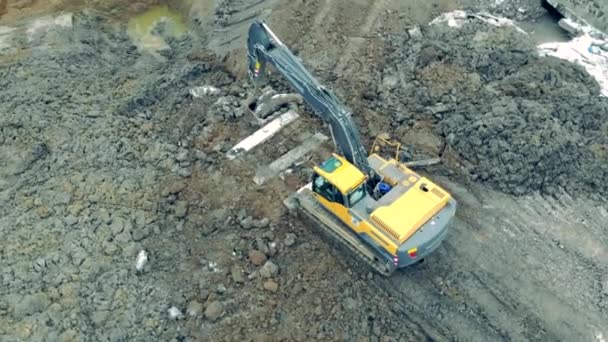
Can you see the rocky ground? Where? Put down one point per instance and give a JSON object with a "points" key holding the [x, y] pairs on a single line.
{"points": [[105, 153]]}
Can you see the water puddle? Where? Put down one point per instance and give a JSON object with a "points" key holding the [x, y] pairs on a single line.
{"points": [[141, 28], [545, 30]]}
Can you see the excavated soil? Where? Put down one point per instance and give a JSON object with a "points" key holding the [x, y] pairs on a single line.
{"points": [[104, 153]]}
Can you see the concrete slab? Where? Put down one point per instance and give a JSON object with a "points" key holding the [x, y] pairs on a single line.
{"points": [[594, 12], [263, 134], [263, 173]]}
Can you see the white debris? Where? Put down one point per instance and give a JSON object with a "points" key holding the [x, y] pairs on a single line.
{"points": [[204, 91], [600, 337], [263, 134], [142, 259], [458, 18], [585, 51], [175, 313], [64, 20], [212, 266]]}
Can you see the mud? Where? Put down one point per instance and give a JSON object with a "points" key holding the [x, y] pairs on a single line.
{"points": [[104, 152]]}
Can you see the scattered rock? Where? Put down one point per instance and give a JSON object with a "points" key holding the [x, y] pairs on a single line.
{"points": [[290, 239], [140, 233], [31, 304], [415, 33], [237, 274], [182, 155], [269, 269], [175, 313], [141, 261], [247, 223], [43, 212], [271, 285], [181, 209], [214, 310], [261, 223], [257, 258], [194, 308], [104, 216]]}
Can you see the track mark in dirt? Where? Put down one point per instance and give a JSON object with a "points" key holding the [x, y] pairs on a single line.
{"points": [[232, 22], [324, 11], [355, 43]]}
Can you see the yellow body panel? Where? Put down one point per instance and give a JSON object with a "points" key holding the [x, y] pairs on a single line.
{"points": [[345, 178], [410, 211], [341, 212]]}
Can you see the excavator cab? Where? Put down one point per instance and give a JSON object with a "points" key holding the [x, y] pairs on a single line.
{"points": [[338, 185]]}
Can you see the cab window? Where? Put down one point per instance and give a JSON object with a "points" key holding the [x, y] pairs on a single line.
{"points": [[356, 195], [324, 188]]}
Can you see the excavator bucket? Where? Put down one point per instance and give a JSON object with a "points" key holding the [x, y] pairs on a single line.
{"points": [[257, 40]]}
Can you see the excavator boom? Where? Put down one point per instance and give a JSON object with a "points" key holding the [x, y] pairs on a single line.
{"points": [[264, 47]]}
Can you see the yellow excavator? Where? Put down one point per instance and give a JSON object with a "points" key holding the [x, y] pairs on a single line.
{"points": [[378, 208]]}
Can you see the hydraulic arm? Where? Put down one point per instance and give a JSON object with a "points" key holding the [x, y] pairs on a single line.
{"points": [[264, 47]]}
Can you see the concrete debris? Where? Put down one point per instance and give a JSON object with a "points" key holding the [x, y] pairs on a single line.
{"points": [[457, 18], [263, 134], [263, 173], [175, 313], [141, 261], [205, 91]]}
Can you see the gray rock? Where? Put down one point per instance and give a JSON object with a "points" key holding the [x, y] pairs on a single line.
{"points": [[181, 209], [104, 216], [39, 264], [390, 82], [415, 33], [247, 223], [290, 239], [182, 155], [31, 304], [140, 233], [194, 308], [69, 335], [269, 269], [117, 226], [200, 155], [261, 223], [350, 303], [184, 172], [214, 310], [237, 274], [70, 220]]}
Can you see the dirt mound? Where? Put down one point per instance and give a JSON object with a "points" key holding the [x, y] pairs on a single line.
{"points": [[525, 123]]}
